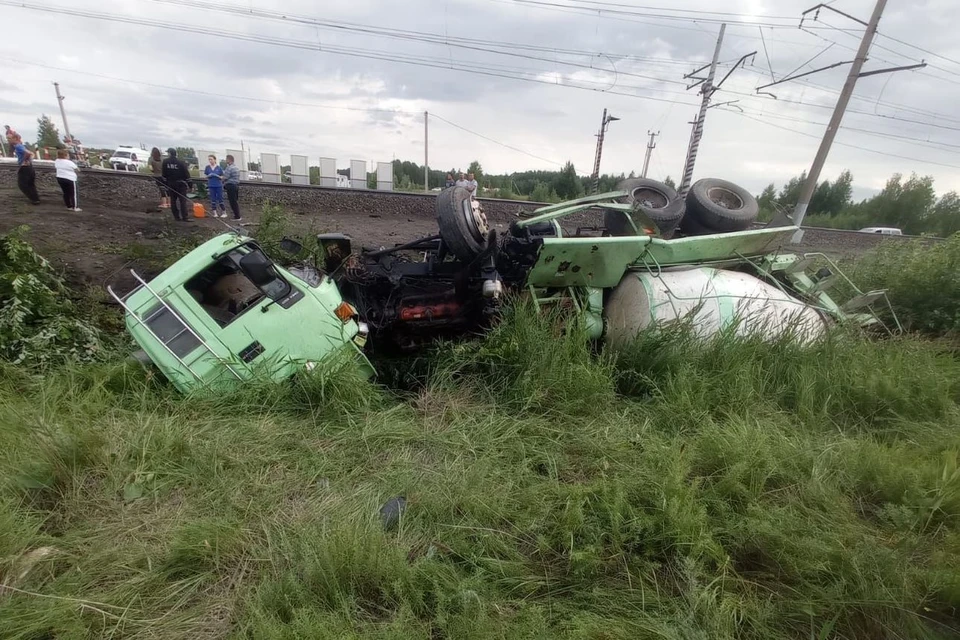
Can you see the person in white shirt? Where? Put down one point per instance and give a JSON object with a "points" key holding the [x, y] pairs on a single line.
{"points": [[462, 181], [67, 179], [472, 185]]}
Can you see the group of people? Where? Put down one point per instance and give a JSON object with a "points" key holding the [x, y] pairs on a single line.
{"points": [[467, 181], [66, 168], [173, 182]]}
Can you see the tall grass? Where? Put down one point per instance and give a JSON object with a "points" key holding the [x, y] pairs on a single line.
{"points": [[674, 489], [921, 280]]}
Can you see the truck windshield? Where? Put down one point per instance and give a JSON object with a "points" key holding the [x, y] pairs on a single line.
{"points": [[225, 292], [121, 154]]}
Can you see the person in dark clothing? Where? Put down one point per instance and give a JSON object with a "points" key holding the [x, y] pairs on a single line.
{"points": [[231, 184], [177, 176], [26, 176]]}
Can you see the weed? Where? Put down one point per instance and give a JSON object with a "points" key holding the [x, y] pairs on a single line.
{"points": [[921, 280], [38, 322]]}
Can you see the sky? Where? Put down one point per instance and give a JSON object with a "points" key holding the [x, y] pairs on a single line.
{"points": [[351, 80]]}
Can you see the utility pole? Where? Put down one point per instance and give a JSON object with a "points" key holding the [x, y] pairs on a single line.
{"points": [[707, 92], [811, 184], [426, 152], [604, 123], [650, 147], [63, 114]]}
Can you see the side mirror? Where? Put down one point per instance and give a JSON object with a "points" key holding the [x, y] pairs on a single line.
{"points": [[256, 266]]}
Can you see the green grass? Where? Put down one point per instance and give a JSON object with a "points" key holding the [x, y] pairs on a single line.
{"points": [[674, 490]]}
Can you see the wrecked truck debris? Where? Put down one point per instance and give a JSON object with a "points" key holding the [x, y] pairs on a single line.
{"points": [[226, 313]]}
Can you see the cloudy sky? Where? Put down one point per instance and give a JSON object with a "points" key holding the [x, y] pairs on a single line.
{"points": [[352, 79]]}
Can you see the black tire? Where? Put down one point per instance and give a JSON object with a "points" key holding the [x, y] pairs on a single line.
{"points": [[456, 229], [722, 206], [690, 226], [655, 200]]}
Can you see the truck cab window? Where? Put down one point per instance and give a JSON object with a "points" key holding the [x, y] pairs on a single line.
{"points": [[223, 291]]}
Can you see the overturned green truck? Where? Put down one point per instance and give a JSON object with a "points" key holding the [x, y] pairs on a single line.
{"points": [[227, 313]]}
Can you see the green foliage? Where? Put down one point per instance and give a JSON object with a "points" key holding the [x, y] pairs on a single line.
{"points": [[944, 218], [187, 154], [47, 133], [477, 170], [543, 192], [733, 489], [39, 324], [669, 182], [568, 185], [921, 279]]}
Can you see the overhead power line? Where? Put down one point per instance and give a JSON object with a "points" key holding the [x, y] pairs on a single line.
{"points": [[471, 44], [844, 144], [534, 76], [312, 105], [489, 139]]}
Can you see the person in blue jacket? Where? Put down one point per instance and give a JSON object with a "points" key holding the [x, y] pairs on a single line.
{"points": [[215, 186]]}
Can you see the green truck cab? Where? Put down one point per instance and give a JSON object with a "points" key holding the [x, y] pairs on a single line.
{"points": [[225, 314]]}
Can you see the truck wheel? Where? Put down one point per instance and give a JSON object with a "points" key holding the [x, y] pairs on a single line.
{"points": [[462, 228], [722, 206], [654, 199]]}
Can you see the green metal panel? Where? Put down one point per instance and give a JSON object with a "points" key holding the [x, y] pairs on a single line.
{"points": [[286, 339], [601, 262]]}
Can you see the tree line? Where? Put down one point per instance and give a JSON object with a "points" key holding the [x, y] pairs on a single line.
{"points": [[910, 204], [537, 186]]}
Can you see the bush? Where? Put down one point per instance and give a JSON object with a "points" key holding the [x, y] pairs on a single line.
{"points": [[921, 281], [39, 323]]}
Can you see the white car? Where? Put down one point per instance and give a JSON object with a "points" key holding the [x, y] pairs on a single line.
{"points": [[885, 231], [128, 159], [254, 176]]}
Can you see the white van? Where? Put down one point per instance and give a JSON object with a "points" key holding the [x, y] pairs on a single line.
{"points": [[128, 159], [885, 231]]}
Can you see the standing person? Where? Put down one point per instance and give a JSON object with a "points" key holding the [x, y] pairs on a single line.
{"points": [[231, 183], [67, 179], [177, 176], [156, 168], [9, 134], [450, 182], [472, 186], [215, 186], [461, 181], [26, 176]]}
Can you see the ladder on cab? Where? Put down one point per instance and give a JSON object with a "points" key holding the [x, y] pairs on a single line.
{"points": [[144, 322]]}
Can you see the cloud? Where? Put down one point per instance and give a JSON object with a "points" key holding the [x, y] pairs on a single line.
{"points": [[325, 102]]}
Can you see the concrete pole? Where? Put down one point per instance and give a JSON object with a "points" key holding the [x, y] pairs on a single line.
{"points": [[426, 148], [63, 114], [650, 147], [697, 132], [811, 184], [595, 178]]}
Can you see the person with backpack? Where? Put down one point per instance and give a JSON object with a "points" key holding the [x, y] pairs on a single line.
{"points": [[67, 179]]}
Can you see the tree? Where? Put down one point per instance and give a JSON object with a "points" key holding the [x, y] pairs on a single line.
{"points": [[670, 183], [543, 193], [945, 216], [904, 204], [47, 134], [767, 201], [790, 193], [476, 170], [187, 154], [568, 185]]}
